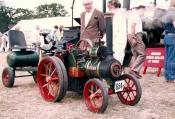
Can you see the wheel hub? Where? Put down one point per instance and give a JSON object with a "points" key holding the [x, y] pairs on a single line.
{"points": [[48, 78]]}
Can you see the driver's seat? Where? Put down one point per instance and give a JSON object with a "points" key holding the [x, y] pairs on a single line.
{"points": [[17, 40]]}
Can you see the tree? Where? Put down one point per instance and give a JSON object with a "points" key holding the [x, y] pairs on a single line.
{"points": [[5, 18], [10, 15], [20, 14], [51, 10]]}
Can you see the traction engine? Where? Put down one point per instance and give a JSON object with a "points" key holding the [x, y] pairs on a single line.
{"points": [[91, 71]]}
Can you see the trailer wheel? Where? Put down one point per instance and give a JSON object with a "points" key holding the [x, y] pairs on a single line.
{"points": [[8, 77], [52, 79], [95, 96], [132, 91]]}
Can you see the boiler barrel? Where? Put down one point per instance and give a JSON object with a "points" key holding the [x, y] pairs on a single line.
{"points": [[22, 58], [104, 69]]}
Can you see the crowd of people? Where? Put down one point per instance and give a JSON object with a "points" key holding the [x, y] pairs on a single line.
{"points": [[36, 37], [124, 27], [127, 26]]}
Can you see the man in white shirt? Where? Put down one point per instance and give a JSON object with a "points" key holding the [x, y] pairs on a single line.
{"points": [[135, 40], [119, 29]]}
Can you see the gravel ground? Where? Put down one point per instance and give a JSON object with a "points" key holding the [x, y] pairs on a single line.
{"points": [[24, 101]]}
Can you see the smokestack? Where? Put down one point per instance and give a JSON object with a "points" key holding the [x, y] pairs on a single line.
{"points": [[126, 4], [109, 34], [104, 6]]}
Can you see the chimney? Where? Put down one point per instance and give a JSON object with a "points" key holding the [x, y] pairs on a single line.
{"points": [[109, 34]]}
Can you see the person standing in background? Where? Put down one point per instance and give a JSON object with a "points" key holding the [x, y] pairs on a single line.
{"points": [[5, 43], [109, 5], [60, 33], [168, 20], [37, 39], [1, 42], [135, 39], [92, 23], [119, 29], [52, 37]]}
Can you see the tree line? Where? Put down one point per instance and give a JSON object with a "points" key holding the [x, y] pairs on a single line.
{"points": [[10, 16]]}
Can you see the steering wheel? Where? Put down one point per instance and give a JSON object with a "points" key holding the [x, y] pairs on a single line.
{"points": [[84, 44]]}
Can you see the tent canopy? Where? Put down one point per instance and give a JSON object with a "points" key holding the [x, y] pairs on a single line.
{"points": [[45, 23], [28, 26]]}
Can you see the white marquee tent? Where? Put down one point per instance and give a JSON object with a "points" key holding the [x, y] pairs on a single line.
{"points": [[27, 26]]}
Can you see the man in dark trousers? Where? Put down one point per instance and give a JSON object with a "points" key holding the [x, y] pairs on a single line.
{"points": [[92, 23], [135, 39]]}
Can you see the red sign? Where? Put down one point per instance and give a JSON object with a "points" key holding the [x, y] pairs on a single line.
{"points": [[154, 58]]}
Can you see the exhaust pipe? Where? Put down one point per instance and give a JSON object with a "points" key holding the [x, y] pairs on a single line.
{"points": [[109, 34]]}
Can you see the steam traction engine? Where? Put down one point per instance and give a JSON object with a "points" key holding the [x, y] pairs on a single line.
{"points": [[91, 71]]}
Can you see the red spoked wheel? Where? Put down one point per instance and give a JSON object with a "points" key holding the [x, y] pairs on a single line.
{"points": [[52, 79], [95, 96], [132, 91], [8, 77]]}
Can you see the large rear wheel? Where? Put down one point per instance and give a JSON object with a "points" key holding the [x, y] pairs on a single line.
{"points": [[8, 77], [96, 96], [52, 79], [132, 92]]}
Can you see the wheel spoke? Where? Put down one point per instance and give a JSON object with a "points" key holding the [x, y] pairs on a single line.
{"points": [[97, 102], [48, 89], [45, 75], [94, 94], [91, 90], [123, 92], [132, 85], [49, 68], [128, 96], [47, 72], [128, 84], [51, 90], [45, 85], [53, 72], [132, 93]]}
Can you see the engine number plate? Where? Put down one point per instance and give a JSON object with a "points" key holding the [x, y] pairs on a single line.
{"points": [[119, 85]]}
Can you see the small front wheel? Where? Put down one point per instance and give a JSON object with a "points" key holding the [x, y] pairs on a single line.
{"points": [[132, 91], [8, 77], [95, 96]]}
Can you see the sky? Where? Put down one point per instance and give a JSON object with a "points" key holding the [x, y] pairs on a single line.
{"points": [[31, 4], [78, 7]]}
